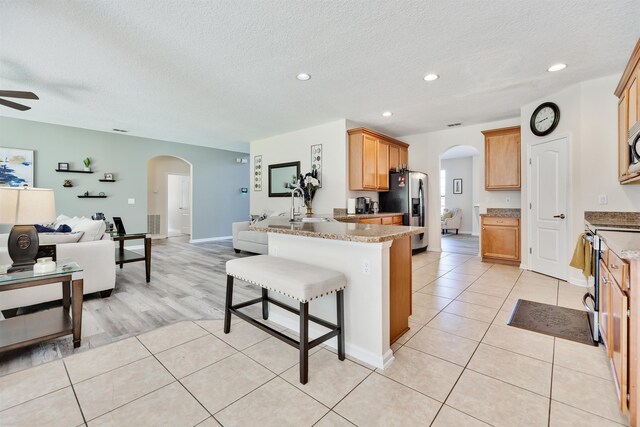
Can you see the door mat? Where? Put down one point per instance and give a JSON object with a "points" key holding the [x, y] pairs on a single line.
{"points": [[560, 322]]}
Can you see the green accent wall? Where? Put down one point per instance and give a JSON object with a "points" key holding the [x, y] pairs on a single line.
{"points": [[216, 181]]}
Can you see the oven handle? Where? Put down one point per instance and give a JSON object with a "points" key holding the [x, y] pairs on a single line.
{"points": [[586, 296]]}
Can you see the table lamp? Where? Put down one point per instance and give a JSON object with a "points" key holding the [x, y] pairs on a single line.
{"points": [[23, 208]]}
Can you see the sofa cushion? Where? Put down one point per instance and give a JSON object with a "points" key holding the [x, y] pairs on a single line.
{"points": [[55, 238], [93, 230], [254, 236]]}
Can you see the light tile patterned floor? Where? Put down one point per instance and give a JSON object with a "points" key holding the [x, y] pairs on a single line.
{"points": [[459, 365]]}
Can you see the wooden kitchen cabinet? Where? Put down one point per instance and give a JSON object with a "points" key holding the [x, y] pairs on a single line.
{"points": [[502, 159], [604, 305], [371, 156], [500, 240], [385, 220], [377, 221], [628, 93], [618, 341]]}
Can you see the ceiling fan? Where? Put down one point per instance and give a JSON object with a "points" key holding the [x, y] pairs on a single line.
{"points": [[16, 94]]}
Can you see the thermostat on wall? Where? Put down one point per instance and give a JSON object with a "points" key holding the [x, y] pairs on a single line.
{"points": [[244, 190]]}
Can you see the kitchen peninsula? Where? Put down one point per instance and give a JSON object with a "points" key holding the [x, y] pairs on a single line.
{"points": [[377, 262]]}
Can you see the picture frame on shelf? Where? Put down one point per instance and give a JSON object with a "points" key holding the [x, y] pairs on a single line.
{"points": [[108, 176], [457, 186], [63, 166], [16, 167]]}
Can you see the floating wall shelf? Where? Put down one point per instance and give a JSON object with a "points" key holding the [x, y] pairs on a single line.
{"points": [[92, 197], [73, 171], [107, 180]]}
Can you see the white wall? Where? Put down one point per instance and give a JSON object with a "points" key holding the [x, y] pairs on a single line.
{"points": [[588, 116], [461, 167], [296, 146], [424, 155]]}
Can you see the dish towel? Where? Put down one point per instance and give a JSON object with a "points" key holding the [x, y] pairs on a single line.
{"points": [[582, 256]]}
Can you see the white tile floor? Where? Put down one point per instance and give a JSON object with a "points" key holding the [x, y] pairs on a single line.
{"points": [[459, 365]]}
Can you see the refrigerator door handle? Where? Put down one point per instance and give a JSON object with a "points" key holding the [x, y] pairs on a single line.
{"points": [[421, 196]]}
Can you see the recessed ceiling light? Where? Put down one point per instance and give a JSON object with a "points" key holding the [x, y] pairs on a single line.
{"points": [[557, 67], [120, 130], [387, 114], [303, 77], [431, 77], [452, 125]]}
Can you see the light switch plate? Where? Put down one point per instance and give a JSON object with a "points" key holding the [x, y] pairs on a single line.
{"points": [[602, 199], [131, 201]]}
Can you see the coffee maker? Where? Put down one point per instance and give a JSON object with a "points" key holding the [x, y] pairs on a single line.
{"points": [[363, 205]]}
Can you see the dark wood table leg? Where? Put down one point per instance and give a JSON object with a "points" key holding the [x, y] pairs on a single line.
{"points": [[147, 257], [121, 251], [66, 295], [76, 309]]}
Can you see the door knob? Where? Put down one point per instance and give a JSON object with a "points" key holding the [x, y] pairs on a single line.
{"points": [[561, 216]]}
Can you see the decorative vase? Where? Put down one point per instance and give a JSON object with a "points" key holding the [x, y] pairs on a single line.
{"points": [[309, 211]]}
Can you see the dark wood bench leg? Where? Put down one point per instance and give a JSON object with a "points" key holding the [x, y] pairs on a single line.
{"points": [[265, 304], [304, 342], [228, 304], [340, 321]]}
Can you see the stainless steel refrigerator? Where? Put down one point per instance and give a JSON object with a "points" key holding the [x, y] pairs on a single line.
{"points": [[408, 194]]}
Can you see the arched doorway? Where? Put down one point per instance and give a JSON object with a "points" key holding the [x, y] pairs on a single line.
{"points": [[169, 204], [459, 207]]}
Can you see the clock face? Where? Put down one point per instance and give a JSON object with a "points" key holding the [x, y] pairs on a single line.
{"points": [[545, 119]]}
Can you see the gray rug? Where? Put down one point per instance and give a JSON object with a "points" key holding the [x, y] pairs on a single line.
{"points": [[560, 322]]}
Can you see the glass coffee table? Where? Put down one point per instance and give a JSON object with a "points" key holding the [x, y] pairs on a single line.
{"points": [[124, 256], [28, 329]]}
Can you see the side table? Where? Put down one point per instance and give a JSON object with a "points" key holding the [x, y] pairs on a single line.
{"points": [[124, 256], [28, 329]]}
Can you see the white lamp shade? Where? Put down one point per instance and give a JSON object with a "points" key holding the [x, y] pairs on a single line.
{"points": [[27, 206]]}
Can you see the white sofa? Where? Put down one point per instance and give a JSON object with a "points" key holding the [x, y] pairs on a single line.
{"points": [[247, 240], [96, 257]]}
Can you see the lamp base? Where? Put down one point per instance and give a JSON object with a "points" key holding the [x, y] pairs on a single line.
{"points": [[23, 246]]}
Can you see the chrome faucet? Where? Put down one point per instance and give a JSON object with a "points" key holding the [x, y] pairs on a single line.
{"points": [[295, 212]]}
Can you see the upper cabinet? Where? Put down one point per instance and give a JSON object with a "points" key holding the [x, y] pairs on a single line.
{"points": [[502, 159], [371, 156], [628, 93]]}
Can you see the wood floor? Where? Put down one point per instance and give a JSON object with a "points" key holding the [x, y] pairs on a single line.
{"points": [[460, 244], [187, 282]]}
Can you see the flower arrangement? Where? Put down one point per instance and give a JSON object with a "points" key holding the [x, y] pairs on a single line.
{"points": [[309, 184]]}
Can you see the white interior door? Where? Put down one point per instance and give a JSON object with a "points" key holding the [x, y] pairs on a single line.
{"points": [[179, 204], [548, 208]]}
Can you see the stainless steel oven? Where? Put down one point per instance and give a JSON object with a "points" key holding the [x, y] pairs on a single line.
{"points": [[634, 148]]}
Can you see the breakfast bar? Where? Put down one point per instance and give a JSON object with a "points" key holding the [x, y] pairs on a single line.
{"points": [[376, 260]]}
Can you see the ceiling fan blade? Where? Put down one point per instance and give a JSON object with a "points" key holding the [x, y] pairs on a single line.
{"points": [[14, 105], [18, 94]]}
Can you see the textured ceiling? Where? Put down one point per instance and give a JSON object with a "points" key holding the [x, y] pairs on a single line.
{"points": [[220, 73]]}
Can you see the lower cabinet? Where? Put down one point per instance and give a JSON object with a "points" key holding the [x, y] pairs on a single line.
{"points": [[385, 220], [501, 239], [605, 305]]}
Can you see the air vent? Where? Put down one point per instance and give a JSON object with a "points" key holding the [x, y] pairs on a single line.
{"points": [[452, 125], [120, 130]]}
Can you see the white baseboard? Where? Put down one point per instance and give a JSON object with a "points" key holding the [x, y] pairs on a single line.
{"points": [[292, 322], [210, 239]]}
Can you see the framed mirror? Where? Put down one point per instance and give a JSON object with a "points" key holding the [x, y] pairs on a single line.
{"points": [[280, 176]]}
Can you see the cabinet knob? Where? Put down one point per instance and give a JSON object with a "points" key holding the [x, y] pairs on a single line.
{"points": [[613, 266]]}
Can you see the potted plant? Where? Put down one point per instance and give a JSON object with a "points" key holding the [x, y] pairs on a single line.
{"points": [[87, 164]]}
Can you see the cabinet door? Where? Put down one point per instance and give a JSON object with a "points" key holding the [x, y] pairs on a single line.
{"points": [[623, 141], [404, 156], [370, 221], [394, 157], [382, 176], [369, 162], [501, 242], [502, 160], [605, 305], [397, 220], [632, 96], [619, 340]]}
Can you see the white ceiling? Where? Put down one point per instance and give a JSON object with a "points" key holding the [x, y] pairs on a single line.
{"points": [[220, 73]]}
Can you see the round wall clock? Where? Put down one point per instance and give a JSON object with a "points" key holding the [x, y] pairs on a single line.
{"points": [[545, 119]]}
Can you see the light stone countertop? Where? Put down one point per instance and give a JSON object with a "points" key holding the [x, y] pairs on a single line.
{"points": [[335, 230], [502, 212], [625, 244]]}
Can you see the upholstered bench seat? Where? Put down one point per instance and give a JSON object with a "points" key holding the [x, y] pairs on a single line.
{"points": [[300, 281], [294, 279]]}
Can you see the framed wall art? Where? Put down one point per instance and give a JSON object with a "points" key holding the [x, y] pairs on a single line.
{"points": [[457, 186], [316, 160], [257, 173], [16, 167]]}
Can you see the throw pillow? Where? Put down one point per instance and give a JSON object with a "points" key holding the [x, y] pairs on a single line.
{"points": [[58, 238], [93, 230], [257, 218], [64, 228], [447, 215]]}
